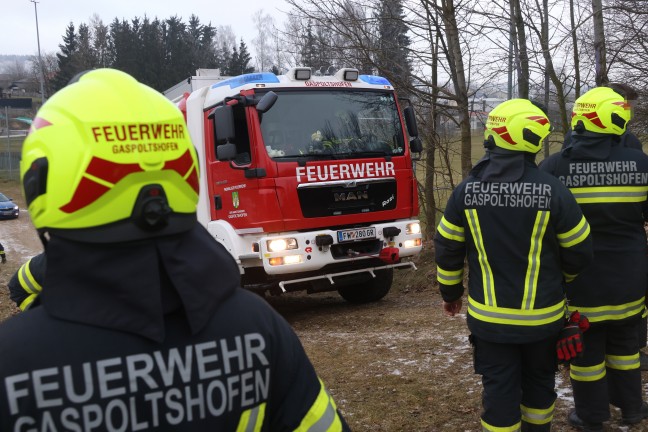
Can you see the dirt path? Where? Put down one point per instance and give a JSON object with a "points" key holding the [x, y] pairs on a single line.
{"points": [[392, 366]]}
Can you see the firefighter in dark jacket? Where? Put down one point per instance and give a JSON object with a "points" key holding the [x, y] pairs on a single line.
{"points": [[141, 324], [627, 138], [610, 183], [522, 233], [3, 257], [26, 283]]}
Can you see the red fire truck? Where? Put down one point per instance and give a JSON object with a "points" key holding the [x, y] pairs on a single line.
{"points": [[306, 180]]}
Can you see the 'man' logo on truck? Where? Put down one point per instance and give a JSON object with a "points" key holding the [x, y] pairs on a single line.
{"points": [[350, 196]]}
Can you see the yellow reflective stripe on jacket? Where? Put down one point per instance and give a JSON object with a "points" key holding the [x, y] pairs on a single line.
{"points": [[533, 268], [569, 277], [27, 281], [537, 416], [574, 235], [619, 362], [451, 231], [587, 373], [610, 313], [502, 315], [322, 415], [609, 194], [487, 274], [644, 314], [252, 419], [490, 428], [29, 300], [449, 277]]}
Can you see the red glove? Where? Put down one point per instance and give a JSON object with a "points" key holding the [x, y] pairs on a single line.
{"points": [[570, 340]]}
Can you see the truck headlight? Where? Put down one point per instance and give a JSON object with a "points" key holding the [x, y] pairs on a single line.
{"points": [[413, 228], [279, 245]]}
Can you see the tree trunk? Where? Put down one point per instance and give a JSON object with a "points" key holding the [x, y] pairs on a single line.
{"points": [[523, 54], [572, 20], [458, 74], [600, 61], [433, 137]]}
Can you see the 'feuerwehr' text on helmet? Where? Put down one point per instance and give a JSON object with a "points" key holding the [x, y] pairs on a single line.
{"points": [[517, 125], [109, 159], [601, 110]]}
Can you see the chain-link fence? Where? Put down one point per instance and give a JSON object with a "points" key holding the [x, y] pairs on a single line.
{"points": [[10, 165]]}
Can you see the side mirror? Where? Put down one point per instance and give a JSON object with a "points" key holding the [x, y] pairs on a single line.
{"points": [[416, 146], [226, 152], [266, 102], [223, 121], [410, 121]]}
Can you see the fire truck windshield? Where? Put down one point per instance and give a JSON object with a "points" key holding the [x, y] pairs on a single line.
{"points": [[332, 123]]}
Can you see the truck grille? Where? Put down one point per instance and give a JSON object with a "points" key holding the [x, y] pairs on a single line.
{"points": [[346, 197]]}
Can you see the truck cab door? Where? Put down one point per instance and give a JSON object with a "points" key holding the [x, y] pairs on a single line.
{"points": [[234, 183]]}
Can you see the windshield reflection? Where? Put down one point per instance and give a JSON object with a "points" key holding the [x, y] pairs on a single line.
{"points": [[331, 123]]}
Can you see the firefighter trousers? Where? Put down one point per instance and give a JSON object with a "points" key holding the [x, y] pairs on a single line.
{"points": [[518, 381], [608, 372]]}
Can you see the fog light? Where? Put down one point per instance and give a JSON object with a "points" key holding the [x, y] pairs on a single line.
{"points": [[292, 259], [286, 260], [412, 243], [413, 228]]}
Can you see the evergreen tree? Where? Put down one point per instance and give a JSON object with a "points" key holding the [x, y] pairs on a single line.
{"points": [[224, 58], [201, 44], [100, 41], [178, 63], [233, 65], [122, 49], [86, 57], [392, 59], [151, 54], [308, 51], [324, 54], [66, 59], [245, 58], [240, 61]]}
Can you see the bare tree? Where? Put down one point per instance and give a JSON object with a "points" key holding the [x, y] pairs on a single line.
{"points": [[264, 24], [16, 70]]}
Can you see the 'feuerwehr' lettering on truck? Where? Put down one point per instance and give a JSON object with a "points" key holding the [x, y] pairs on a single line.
{"points": [[344, 171]]}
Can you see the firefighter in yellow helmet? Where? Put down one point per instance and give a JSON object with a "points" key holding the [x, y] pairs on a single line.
{"points": [[141, 324], [523, 235], [610, 182]]}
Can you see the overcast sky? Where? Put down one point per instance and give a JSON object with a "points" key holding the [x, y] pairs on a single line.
{"points": [[18, 25]]}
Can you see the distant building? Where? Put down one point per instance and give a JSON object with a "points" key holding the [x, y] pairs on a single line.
{"points": [[23, 87]]}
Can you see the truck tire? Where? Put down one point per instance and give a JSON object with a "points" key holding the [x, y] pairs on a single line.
{"points": [[369, 291]]}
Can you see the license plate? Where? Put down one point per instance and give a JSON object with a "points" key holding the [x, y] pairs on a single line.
{"points": [[356, 234]]}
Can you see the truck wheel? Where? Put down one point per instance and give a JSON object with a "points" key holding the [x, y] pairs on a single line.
{"points": [[369, 291]]}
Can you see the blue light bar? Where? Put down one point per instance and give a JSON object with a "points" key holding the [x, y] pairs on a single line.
{"points": [[261, 78], [373, 79]]}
